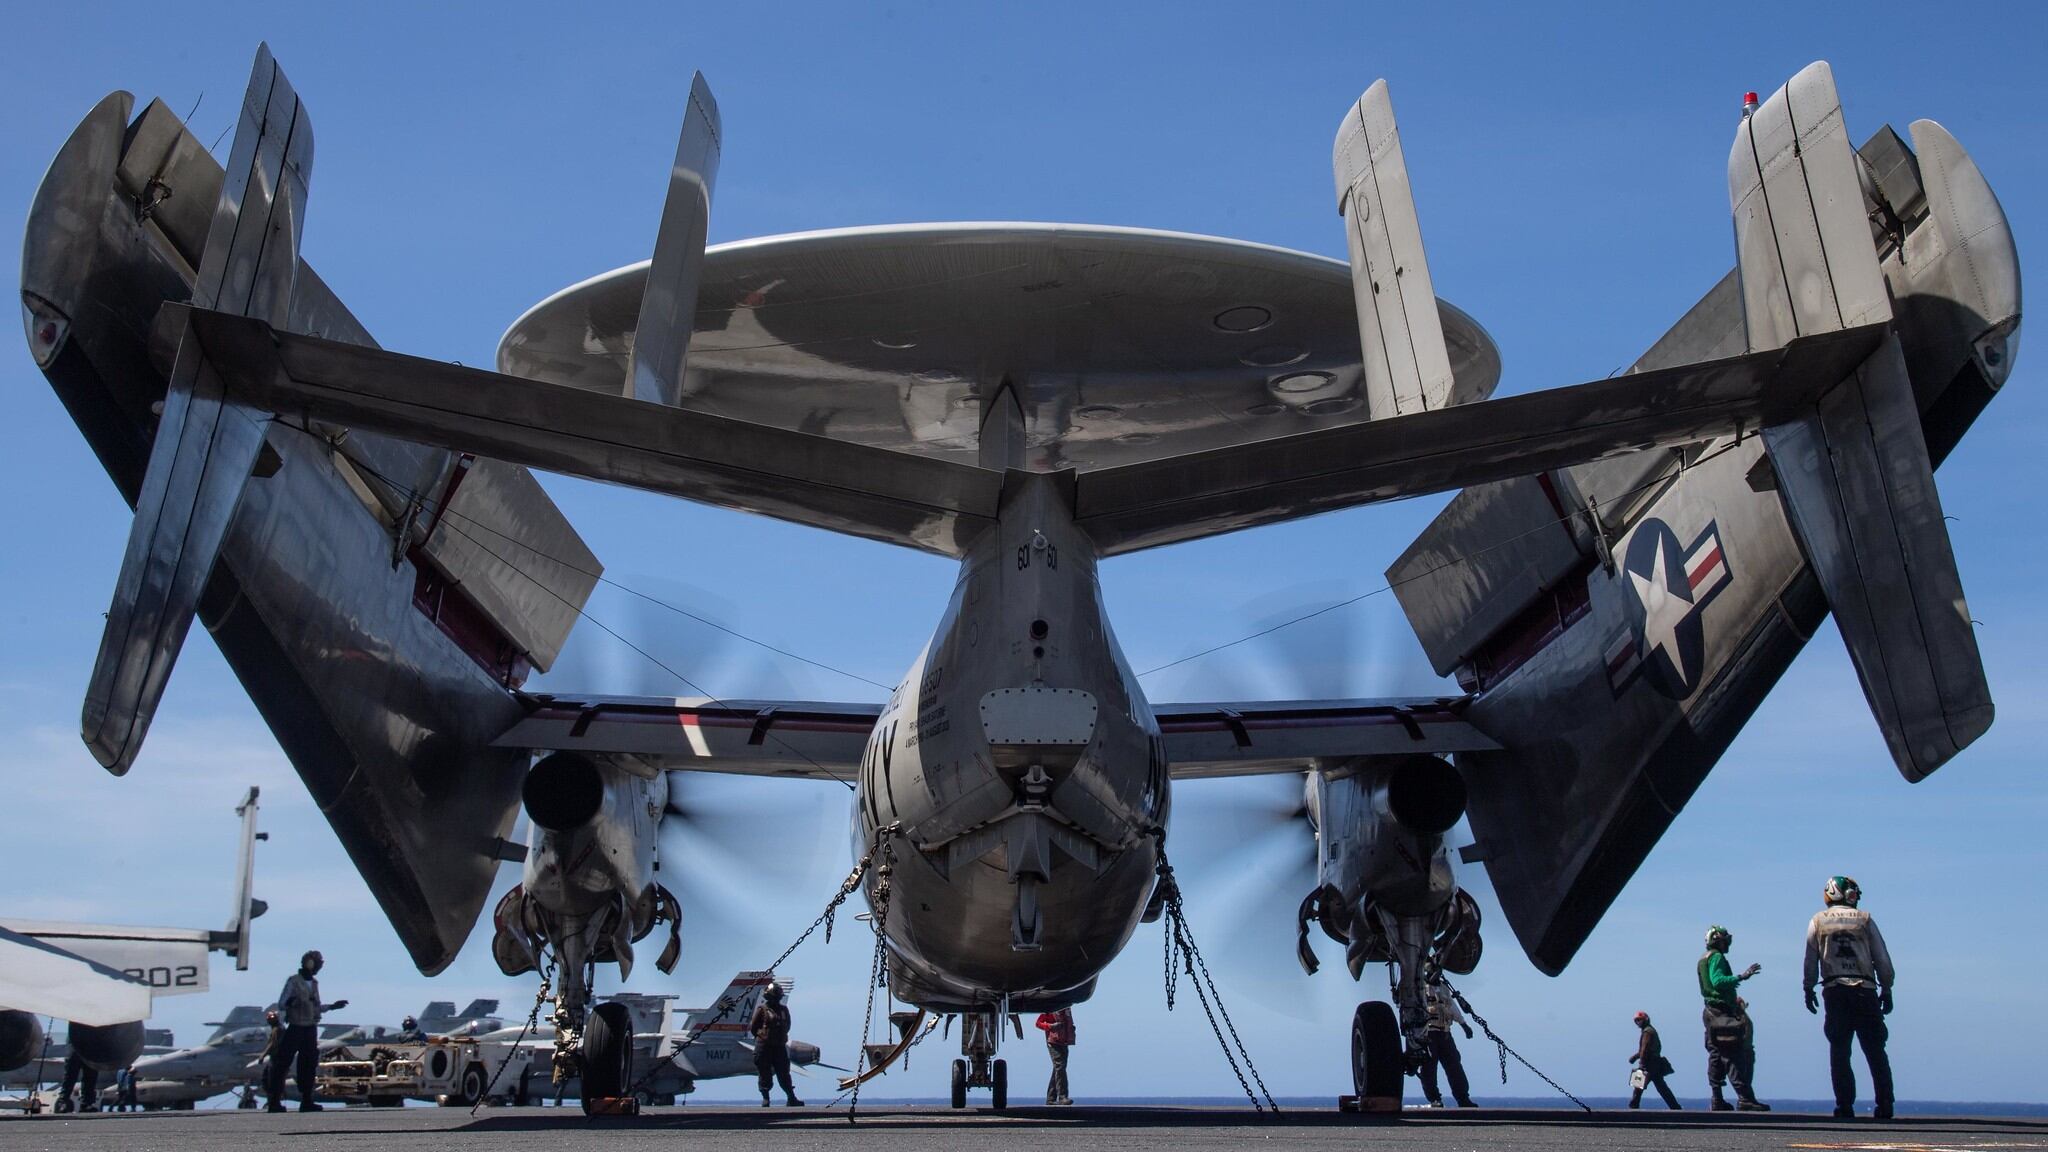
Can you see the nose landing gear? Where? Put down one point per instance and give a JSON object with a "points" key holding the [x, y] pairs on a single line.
{"points": [[980, 1035]]}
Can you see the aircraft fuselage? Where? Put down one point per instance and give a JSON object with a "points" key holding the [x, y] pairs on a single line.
{"points": [[1022, 769]]}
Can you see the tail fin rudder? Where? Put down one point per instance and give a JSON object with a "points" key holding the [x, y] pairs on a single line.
{"points": [[668, 305], [205, 446], [735, 1005], [247, 907], [1856, 476], [239, 1017], [1407, 366]]}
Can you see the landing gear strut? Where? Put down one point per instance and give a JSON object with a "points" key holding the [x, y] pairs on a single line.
{"points": [[980, 1036]]}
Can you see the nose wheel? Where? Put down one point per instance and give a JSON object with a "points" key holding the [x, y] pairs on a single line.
{"points": [[978, 1067], [1378, 1060]]}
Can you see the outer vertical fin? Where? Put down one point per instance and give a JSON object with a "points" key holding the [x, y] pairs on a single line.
{"points": [[1855, 476], [668, 309], [1407, 368], [204, 447], [247, 907]]}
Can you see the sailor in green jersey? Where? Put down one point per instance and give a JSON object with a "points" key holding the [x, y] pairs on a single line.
{"points": [[1731, 1045]]}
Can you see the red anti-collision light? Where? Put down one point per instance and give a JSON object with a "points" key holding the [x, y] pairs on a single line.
{"points": [[1749, 99]]}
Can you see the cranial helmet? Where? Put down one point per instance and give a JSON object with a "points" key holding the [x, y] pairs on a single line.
{"points": [[409, 1024], [1719, 938], [1841, 890], [1642, 1018], [311, 959], [774, 992]]}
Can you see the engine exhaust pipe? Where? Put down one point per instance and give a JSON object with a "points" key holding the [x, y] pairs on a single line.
{"points": [[563, 792], [21, 1039], [1423, 794]]}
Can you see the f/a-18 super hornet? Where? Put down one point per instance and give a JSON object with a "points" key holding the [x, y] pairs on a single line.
{"points": [[673, 1048], [1627, 568], [104, 978]]}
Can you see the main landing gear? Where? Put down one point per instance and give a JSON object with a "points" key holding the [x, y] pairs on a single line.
{"points": [[980, 1035], [1379, 1060]]}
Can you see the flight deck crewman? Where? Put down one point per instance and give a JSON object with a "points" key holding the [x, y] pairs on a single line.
{"points": [[1059, 1036], [1651, 1066], [1442, 1008], [770, 1030], [1846, 955], [1731, 1040], [299, 1044]]}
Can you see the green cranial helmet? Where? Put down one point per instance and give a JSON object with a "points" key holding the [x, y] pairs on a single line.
{"points": [[1841, 890], [1719, 938]]}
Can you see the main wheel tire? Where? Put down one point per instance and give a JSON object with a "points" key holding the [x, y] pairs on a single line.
{"points": [[387, 1101], [1377, 1063], [607, 1054], [999, 1085], [959, 1083], [472, 1085]]}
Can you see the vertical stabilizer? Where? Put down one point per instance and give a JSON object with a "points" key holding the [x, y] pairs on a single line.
{"points": [[247, 907], [1407, 368], [734, 1006], [1855, 476], [668, 308], [205, 447]]}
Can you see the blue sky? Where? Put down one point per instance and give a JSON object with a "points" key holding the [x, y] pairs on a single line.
{"points": [[1569, 170]]}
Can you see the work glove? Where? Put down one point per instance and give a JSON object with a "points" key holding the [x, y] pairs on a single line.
{"points": [[1632, 1056], [1812, 1001], [1884, 1001], [1468, 1031], [1752, 970], [338, 1005]]}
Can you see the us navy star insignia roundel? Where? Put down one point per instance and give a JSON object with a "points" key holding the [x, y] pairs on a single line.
{"points": [[1665, 588]]}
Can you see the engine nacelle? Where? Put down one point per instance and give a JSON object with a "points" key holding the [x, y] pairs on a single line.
{"points": [[595, 826], [110, 1048], [1381, 829], [21, 1038]]}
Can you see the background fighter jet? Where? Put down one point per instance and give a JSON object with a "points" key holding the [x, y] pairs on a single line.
{"points": [[673, 1048], [1630, 565], [103, 978]]}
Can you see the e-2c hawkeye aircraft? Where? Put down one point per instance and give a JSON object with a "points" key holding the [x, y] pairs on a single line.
{"points": [[1628, 566], [103, 979]]}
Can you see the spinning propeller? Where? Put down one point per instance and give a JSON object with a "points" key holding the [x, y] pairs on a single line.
{"points": [[1244, 848], [736, 855]]}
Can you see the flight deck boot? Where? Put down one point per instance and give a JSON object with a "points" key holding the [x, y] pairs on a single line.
{"points": [[1720, 1103]]}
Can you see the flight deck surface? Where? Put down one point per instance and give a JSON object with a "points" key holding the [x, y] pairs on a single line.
{"points": [[919, 1127]]}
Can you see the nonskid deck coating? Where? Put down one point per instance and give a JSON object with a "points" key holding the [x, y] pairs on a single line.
{"points": [[896, 1126]]}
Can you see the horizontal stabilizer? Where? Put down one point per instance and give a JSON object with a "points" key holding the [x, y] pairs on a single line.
{"points": [[1407, 368], [923, 502], [1204, 493], [172, 961], [205, 445], [1855, 473], [668, 306], [45, 980]]}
